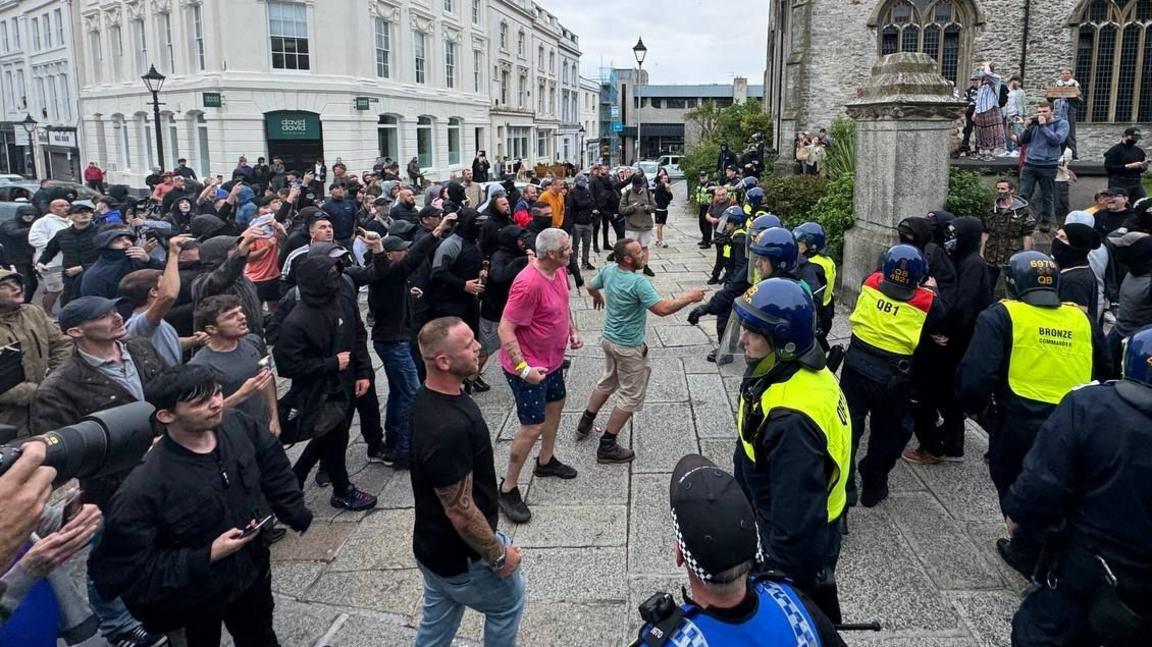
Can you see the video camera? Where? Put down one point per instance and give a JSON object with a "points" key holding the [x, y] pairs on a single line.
{"points": [[106, 442]]}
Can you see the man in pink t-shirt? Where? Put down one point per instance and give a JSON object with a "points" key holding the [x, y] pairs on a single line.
{"points": [[534, 330]]}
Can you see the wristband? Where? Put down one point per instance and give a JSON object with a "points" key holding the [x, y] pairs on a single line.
{"points": [[521, 366], [524, 373]]}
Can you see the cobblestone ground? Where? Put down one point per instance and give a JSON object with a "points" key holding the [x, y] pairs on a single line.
{"points": [[922, 563]]}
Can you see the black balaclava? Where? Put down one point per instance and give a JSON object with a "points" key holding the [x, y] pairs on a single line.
{"points": [[319, 280], [1067, 256], [915, 231], [968, 231]]}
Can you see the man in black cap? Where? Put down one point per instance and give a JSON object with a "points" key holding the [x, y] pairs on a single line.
{"points": [[1119, 209], [1125, 164], [75, 246], [718, 542]]}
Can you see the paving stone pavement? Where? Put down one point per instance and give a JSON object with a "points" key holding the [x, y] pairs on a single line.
{"points": [[922, 563]]}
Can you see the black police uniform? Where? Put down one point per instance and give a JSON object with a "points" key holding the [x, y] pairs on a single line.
{"points": [[721, 303], [1093, 480]]}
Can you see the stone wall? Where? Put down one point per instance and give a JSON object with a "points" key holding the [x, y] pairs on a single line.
{"points": [[831, 60]]}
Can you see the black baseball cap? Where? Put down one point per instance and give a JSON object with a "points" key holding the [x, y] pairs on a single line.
{"points": [[86, 309], [1118, 191], [1133, 132], [714, 523], [431, 212], [395, 244]]}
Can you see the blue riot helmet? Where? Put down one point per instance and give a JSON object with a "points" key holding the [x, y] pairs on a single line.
{"points": [[762, 223], [754, 198], [1034, 278], [750, 183], [1137, 365], [777, 244], [781, 311], [733, 215], [812, 235], [904, 268]]}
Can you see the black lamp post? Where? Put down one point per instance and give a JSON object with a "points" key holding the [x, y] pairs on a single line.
{"points": [[583, 153], [639, 51], [154, 81], [29, 125]]}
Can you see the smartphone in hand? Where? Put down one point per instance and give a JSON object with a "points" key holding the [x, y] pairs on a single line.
{"points": [[253, 528]]}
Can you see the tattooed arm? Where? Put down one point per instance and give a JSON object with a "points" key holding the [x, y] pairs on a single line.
{"points": [[469, 522]]}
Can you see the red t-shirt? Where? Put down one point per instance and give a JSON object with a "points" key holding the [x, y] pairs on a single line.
{"points": [[538, 306], [267, 267]]}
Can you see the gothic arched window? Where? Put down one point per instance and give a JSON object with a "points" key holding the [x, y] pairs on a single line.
{"points": [[1114, 60], [938, 28]]}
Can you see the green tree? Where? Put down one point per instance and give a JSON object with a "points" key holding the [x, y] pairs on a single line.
{"points": [[734, 125]]}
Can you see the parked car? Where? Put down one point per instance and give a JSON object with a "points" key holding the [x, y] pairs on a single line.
{"points": [[649, 168], [14, 194], [671, 163]]}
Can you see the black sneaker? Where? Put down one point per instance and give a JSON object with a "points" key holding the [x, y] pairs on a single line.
{"points": [[381, 455], [322, 479], [711, 356], [479, 385], [1023, 564], [354, 500], [138, 637], [513, 506], [554, 468], [566, 364], [714, 280], [648, 271], [614, 454], [272, 534], [584, 427], [870, 497]]}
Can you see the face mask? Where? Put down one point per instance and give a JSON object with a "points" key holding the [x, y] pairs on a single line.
{"points": [[1065, 255], [1003, 195], [1129, 142]]}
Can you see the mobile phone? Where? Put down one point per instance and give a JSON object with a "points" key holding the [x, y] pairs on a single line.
{"points": [[253, 528], [264, 362]]}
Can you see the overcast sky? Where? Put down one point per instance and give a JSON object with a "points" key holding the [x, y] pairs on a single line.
{"points": [[689, 41]]}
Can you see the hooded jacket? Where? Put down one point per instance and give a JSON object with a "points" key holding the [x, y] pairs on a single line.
{"points": [[103, 278], [245, 206], [920, 233], [581, 202], [1133, 250], [507, 262], [14, 241], [490, 194], [973, 285], [223, 273], [494, 223], [458, 260], [42, 349], [636, 206], [181, 221]]}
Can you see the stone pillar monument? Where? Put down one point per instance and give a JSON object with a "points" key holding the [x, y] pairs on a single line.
{"points": [[903, 115]]}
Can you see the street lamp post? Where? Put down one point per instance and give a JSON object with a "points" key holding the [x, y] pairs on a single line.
{"points": [[154, 81], [583, 152], [639, 51], [29, 125]]}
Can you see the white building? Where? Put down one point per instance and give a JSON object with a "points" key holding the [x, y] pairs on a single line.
{"points": [[589, 110], [38, 79], [300, 80], [568, 137]]}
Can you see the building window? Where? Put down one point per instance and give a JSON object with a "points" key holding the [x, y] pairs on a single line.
{"points": [[169, 53], [383, 48], [938, 28], [144, 137], [504, 82], [123, 150], [141, 47], [388, 136], [59, 27], [171, 141], [4, 34], [552, 63], [449, 64], [504, 36], [475, 12], [477, 70], [117, 38], [522, 91], [35, 34], [47, 25], [1114, 61], [65, 98], [419, 46], [198, 37], [16, 33], [424, 141], [540, 58], [540, 97], [21, 90], [542, 142], [518, 142], [455, 127], [10, 90], [288, 29], [202, 153], [520, 42], [449, 6]]}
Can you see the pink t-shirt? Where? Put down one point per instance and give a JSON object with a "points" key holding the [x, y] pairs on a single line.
{"points": [[538, 306]]}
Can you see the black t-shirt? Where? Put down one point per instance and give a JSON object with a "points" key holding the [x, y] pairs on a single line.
{"points": [[449, 440], [1078, 285]]}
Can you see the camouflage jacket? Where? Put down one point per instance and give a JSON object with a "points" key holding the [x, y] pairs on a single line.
{"points": [[1006, 228]]}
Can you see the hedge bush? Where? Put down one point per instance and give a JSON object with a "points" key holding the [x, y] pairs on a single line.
{"points": [[967, 195]]}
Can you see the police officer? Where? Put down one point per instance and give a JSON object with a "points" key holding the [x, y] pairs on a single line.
{"points": [[813, 243], [716, 541], [1088, 473], [887, 323], [703, 198], [794, 438], [1028, 352], [754, 201], [775, 253], [733, 224]]}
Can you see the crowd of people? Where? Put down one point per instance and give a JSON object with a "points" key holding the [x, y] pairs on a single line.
{"points": [[199, 298]]}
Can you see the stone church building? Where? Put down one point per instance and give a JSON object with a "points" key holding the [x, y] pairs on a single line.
{"points": [[820, 51]]}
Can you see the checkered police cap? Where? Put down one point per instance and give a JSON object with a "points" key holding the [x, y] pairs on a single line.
{"points": [[714, 523]]}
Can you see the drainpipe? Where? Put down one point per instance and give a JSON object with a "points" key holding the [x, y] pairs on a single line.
{"points": [[1024, 45]]}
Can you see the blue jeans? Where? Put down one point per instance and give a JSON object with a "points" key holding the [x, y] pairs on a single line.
{"points": [[402, 384], [113, 615], [500, 599]]}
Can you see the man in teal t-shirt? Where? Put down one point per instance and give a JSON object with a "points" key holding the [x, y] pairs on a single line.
{"points": [[630, 297]]}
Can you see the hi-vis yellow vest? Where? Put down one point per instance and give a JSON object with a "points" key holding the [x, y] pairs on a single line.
{"points": [[817, 395], [829, 266], [890, 325], [728, 246], [1051, 350]]}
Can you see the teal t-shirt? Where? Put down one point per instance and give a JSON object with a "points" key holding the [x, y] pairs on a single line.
{"points": [[627, 297]]}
